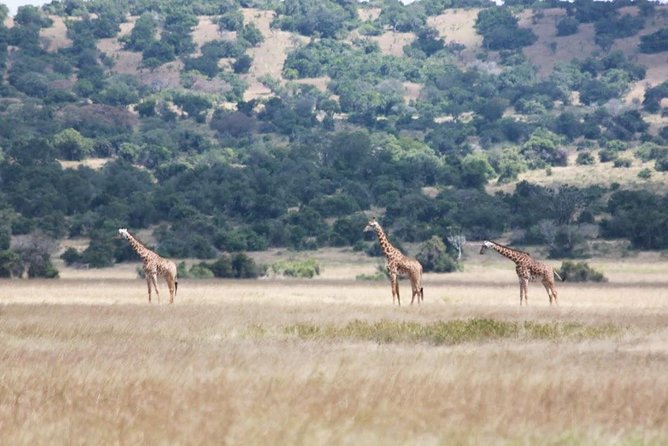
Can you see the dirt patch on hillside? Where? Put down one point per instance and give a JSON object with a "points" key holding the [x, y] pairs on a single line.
{"points": [[392, 43], [318, 82], [93, 163], [129, 62], [270, 55], [656, 64], [411, 91], [206, 31], [549, 49], [601, 174], [457, 26], [55, 37], [368, 14]]}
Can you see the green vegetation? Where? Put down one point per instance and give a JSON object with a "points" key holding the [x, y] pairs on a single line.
{"points": [[499, 29], [296, 268], [451, 332], [211, 168], [580, 272]]}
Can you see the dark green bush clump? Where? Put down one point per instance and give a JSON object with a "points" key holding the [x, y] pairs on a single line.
{"points": [[580, 272]]}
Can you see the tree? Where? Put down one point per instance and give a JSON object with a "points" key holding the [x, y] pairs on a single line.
{"points": [[243, 64], [434, 257], [476, 170], [34, 251], [457, 239], [195, 105], [251, 34], [308, 17], [499, 29], [655, 42], [72, 145], [542, 149], [231, 21], [567, 26], [401, 17]]}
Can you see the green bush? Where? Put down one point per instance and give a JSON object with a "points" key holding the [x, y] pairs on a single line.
{"points": [[585, 159], [579, 272], [567, 26], [622, 162], [200, 271], [645, 174], [433, 256], [606, 156], [296, 268], [380, 274], [71, 256], [451, 332], [655, 42]]}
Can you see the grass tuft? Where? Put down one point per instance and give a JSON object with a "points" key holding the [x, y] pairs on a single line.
{"points": [[451, 332]]}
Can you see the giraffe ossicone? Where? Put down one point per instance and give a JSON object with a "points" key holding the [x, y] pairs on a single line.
{"points": [[398, 264], [154, 266], [527, 269]]}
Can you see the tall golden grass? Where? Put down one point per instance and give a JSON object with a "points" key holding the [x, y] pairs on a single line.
{"points": [[86, 360]]}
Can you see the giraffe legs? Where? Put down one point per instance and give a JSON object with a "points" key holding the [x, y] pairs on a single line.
{"points": [[417, 292], [172, 288], [551, 291], [524, 288], [394, 283], [148, 283], [154, 281]]}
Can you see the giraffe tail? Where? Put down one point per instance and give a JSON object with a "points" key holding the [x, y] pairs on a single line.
{"points": [[557, 274], [176, 287]]}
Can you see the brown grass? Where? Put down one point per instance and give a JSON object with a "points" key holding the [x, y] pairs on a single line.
{"points": [[269, 56], [55, 37], [392, 42], [87, 360], [457, 26], [602, 174]]}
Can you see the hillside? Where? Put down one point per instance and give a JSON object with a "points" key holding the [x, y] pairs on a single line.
{"points": [[226, 128]]}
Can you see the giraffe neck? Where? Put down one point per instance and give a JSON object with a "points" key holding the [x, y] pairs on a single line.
{"points": [[512, 254], [385, 244], [140, 249]]}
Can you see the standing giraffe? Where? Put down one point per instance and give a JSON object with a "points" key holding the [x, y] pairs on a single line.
{"points": [[398, 264], [527, 269], [154, 266]]}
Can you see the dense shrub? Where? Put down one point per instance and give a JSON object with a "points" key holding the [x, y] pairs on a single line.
{"points": [[585, 159], [434, 256], [567, 26], [655, 42], [296, 268], [580, 272], [499, 29]]}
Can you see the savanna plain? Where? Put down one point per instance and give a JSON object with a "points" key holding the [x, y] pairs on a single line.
{"points": [[85, 359]]}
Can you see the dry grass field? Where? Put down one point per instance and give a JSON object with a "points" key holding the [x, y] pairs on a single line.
{"points": [[86, 360]]}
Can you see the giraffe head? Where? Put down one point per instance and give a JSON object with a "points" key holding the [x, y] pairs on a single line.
{"points": [[373, 225], [485, 245], [124, 233]]}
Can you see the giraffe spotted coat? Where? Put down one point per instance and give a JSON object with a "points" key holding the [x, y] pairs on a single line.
{"points": [[398, 265], [154, 267], [528, 269]]}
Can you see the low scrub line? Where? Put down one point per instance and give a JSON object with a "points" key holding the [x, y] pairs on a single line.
{"points": [[451, 332]]}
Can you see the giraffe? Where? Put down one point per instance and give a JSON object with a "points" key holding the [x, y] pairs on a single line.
{"points": [[154, 266], [527, 269], [398, 264]]}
